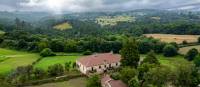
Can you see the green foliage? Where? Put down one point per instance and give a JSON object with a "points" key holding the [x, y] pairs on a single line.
{"points": [[116, 76], [56, 70], [130, 54], [39, 73], [151, 58], [94, 81], [187, 76], [157, 76], [191, 54], [169, 51], [134, 82], [197, 61], [143, 69], [127, 73], [46, 52], [67, 66]]}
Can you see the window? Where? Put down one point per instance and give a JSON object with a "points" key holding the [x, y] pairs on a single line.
{"points": [[105, 66], [100, 67], [116, 64], [110, 65], [92, 68]]}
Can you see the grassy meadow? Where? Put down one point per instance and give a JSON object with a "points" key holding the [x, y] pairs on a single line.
{"points": [[48, 61], [11, 59], [174, 38], [63, 26], [184, 50]]}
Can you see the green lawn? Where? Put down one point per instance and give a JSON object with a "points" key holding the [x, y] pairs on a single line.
{"points": [[10, 59], [78, 82], [48, 61]]}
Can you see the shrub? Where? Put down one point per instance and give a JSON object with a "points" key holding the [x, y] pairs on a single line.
{"points": [[87, 52], [56, 70], [170, 50], [46, 52], [191, 54], [199, 40], [184, 42]]}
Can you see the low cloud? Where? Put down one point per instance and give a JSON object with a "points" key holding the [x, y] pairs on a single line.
{"points": [[58, 6]]}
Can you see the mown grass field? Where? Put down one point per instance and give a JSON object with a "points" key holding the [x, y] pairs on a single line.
{"points": [[63, 26], [48, 61], [78, 82], [10, 59], [108, 20], [174, 38], [184, 50]]}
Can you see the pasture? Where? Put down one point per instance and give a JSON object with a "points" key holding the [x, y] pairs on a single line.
{"points": [[174, 38], [63, 26], [11, 59], [78, 82], [48, 61], [184, 50]]}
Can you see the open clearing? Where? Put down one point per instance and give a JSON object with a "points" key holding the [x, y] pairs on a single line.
{"points": [[63, 26], [78, 82], [174, 38], [48, 61], [184, 50], [10, 59]]}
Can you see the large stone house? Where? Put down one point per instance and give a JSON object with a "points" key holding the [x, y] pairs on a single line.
{"points": [[98, 63]]}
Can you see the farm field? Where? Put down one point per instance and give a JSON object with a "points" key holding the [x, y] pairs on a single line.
{"points": [[63, 26], [174, 38], [184, 50], [10, 59], [48, 61], [78, 82]]}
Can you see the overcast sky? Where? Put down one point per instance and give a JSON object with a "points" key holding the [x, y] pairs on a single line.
{"points": [[58, 6]]}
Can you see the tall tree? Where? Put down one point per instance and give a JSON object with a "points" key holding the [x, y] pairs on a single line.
{"points": [[151, 58], [130, 54]]}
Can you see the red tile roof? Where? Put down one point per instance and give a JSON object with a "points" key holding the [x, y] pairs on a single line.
{"points": [[109, 82], [99, 59]]}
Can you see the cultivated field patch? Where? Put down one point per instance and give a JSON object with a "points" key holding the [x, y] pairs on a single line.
{"points": [[184, 50], [174, 38]]}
